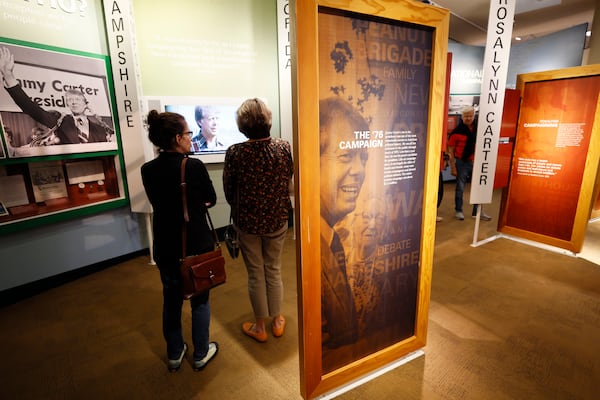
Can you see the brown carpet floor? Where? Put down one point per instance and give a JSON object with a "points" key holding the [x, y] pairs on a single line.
{"points": [[507, 321]]}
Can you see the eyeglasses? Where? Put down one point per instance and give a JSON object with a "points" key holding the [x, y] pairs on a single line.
{"points": [[188, 133]]}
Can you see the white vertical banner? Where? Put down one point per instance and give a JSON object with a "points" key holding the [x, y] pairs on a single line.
{"points": [[285, 70], [495, 70], [137, 149]]}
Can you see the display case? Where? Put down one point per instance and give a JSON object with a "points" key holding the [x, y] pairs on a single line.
{"points": [[60, 153]]}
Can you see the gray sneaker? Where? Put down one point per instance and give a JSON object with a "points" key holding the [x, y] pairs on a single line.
{"points": [[175, 364], [460, 215], [483, 217], [213, 349]]}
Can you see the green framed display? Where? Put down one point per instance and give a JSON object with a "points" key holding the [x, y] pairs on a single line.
{"points": [[60, 152]]}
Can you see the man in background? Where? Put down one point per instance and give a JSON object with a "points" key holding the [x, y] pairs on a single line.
{"points": [[367, 284], [461, 149]]}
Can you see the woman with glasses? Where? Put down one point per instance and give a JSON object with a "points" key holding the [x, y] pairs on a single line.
{"points": [[162, 181]]}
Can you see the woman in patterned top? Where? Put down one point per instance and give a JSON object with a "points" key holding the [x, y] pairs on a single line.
{"points": [[256, 180]]}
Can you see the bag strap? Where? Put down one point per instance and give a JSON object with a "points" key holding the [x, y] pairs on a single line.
{"points": [[235, 207], [186, 216]]}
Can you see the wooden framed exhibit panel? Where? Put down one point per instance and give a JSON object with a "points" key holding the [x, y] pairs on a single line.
{"points": [[555, 159], [596, 205], [369, 82], [510, 115]]}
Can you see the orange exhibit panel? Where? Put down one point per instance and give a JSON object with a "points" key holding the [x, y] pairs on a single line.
{"points": [[555, 158]]}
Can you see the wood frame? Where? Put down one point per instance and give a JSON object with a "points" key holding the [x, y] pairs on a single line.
{"points": [[595, 213], [305, 81], [586, 190]]}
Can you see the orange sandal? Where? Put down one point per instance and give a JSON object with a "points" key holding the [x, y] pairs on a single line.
{"points": [[248, 329], [278, 331]]}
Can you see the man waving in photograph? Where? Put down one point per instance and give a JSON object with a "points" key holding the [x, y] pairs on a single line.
{"points": [[78, 126]]}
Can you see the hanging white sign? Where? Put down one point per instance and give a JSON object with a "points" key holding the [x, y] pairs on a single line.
{"points": [[495, 70]]}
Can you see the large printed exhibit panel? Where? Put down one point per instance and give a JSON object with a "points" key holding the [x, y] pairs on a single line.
{"points": [[369, 293], [370, 114], [555, 159]]}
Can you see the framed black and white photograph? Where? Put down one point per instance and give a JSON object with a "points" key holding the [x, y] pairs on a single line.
{"points": [[53, 102], [47, 180]]}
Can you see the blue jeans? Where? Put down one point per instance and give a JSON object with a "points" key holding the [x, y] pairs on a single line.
{"points": [[464, 170], [171, 324]]}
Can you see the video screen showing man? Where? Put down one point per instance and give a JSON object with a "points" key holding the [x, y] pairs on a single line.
{"points": [[207, 139]]}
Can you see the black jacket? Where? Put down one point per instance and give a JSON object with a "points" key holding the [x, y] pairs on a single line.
{"points": [[161, 179]]}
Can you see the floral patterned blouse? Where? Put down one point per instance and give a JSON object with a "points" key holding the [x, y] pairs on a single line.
{"points": [[260, 170]]}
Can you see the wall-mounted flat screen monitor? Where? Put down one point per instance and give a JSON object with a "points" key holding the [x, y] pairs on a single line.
{"points": [[211, 121]]}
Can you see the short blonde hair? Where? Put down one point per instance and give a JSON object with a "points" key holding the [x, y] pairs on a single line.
{"points": [[254, 119]]}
